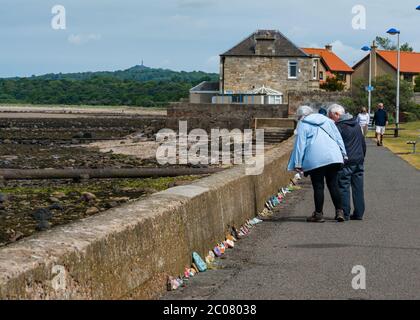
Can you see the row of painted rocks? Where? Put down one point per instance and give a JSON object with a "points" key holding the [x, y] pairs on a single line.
{"points": [[280, 197], [210, 262]]}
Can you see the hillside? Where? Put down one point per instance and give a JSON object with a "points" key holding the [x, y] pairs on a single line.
{"points": [[137, 73], [136, 86]]}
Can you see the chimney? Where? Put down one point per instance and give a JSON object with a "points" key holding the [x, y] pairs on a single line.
{"points": [[264, 43], [374, 46], [329, 47], [374, 59]]}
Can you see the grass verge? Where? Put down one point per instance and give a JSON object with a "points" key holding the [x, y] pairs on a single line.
{"points": [[399, 145]]}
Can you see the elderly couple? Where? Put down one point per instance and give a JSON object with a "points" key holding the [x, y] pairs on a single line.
{"points": [[331, 148]]}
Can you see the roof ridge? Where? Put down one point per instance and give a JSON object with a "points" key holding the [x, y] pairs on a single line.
{"points": [[236, 45], [246, 46], [405, 52]]}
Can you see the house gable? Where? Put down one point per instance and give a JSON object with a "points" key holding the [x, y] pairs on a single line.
{"points": [[266, 43]]}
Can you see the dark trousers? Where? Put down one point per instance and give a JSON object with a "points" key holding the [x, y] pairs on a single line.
{"points": [[352, 176], [330, 175]]}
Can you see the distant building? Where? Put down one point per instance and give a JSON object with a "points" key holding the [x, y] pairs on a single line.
{"points": [[204, 92], [327, 64], [385, 62], [265, 67]]}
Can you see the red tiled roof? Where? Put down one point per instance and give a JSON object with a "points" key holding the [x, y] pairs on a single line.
{"points": [[333, 62], [410, 61]]}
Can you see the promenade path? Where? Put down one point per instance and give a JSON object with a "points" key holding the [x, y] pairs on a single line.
{"points": [[288, 258]]}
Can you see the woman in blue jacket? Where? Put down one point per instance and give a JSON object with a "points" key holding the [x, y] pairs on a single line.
{"points": [[319, 152]]}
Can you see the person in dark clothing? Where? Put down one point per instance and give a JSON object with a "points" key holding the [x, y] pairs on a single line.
{"points": [[351, 174], [323, 111], [381, 121], [330, 174], [319, 152]]}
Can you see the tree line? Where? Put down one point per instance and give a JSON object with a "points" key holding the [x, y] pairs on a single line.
{"points": [[137, 86]]}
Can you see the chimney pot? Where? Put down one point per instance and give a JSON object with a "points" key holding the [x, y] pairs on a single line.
{"points": [[329, 47], [374, 46]]}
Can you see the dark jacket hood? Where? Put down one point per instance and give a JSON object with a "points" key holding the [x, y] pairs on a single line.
{"points": [[348, 119]]}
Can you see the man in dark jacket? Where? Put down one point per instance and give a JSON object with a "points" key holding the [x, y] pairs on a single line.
{"points": [[381, 121], [353, 170]]}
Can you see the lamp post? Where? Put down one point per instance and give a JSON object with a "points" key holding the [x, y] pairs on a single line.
{"points": [[393, 32], [367, 48]]}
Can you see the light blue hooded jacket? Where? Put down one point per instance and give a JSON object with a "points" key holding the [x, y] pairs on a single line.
{"points": [[318, 143]]}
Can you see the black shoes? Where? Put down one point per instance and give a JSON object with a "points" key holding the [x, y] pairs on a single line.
{"points": [[339, 215], [316, 217], [356, 218]]}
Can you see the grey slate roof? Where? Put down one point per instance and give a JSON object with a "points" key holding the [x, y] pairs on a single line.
{"points": [[282, 45]]}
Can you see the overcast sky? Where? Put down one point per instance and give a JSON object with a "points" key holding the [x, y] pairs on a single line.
{"points": [[181, 34]]}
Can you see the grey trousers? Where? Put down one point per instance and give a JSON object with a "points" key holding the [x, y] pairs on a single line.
{"points": [[351, 177]]}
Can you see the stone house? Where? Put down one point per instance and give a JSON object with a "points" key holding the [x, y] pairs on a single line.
{"points": [[385, 62], [327, 64], [266, 59]]}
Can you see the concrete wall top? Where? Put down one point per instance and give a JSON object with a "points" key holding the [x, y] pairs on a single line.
{"points": [[128, 252]]}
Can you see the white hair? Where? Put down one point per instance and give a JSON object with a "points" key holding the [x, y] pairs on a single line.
{"points": [[336, 108], [304, 111]]}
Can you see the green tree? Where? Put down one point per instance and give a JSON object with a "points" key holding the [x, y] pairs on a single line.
{"points": [[385, 92], [387, 44], [98, 90]]}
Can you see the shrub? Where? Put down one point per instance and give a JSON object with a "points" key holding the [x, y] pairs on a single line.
{"points": [[332, 84]]}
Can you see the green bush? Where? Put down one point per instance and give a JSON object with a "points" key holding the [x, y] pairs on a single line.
{"points": [[414, 111], [391, 119], [332, 84], [411, 117]]}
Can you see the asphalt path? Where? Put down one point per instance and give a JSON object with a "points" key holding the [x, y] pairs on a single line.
{"points": [[288, 258]]}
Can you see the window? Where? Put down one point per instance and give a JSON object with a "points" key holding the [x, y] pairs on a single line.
{"points": [[321, 75], [237, 98], [273, 100], [315, 70], [278, 99], [340, 76], [293, 69], [408, 77]]}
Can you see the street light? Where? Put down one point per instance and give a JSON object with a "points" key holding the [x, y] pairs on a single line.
{"points": [[367, 48], [394, 32]]}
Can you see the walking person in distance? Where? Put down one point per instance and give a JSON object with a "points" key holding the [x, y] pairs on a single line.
{"points": [[381, 121], [363, 119]]}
